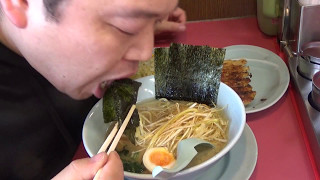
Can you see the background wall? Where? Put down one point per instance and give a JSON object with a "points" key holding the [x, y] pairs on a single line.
{"points": [[215, 9]]}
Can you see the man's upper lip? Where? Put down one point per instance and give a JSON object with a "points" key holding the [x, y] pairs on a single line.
{"points": [[128, 75]]}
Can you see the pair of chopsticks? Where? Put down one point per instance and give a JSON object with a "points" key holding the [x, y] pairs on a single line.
{"points": [[114, 135]]}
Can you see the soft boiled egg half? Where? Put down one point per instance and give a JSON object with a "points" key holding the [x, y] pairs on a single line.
{"points": [[158, 156]]}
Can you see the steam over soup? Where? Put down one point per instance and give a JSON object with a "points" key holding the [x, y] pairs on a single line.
{"points": [[164, 123]]}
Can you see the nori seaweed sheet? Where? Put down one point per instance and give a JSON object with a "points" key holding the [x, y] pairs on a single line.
{"points": [[188, 72], [117, 101]]}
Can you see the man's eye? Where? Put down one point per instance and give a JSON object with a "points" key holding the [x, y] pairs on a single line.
{"points": [[120, 29], [124, 32]]}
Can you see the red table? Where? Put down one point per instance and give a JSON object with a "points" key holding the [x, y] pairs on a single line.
{"points": [[283, 149]]}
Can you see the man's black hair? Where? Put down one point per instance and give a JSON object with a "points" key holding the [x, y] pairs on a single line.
{"points": [[52, 9]]}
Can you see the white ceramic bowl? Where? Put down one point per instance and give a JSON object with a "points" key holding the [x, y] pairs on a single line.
{"points": [[94, 128]]}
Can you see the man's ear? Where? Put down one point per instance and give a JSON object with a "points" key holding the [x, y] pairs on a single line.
{"points": [[16, 11]]}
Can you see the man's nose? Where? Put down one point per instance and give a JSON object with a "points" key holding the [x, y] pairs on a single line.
{"points": [[142, 47]]}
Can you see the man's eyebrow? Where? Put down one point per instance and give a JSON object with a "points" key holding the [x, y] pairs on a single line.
{"points": [[145, 13]]}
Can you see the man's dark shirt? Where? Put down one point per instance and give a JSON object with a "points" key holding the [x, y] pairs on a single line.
{"points": [[40, 127]]}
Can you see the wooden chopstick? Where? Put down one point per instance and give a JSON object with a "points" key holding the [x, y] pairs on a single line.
{"points": [[109, 138], [116, 138]]}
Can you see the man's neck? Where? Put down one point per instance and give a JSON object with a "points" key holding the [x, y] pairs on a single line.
{"points": [[6, 42]]}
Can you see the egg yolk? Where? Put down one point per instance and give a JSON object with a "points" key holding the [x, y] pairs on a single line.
{"points": [[161, 158], [158, 156]]}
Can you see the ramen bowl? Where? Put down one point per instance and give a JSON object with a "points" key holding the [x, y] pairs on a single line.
{"points": [[94, 129]]}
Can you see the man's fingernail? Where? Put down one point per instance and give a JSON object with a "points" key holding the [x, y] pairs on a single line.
{"points": [[182, 27], [99, 157], [114, 153]]}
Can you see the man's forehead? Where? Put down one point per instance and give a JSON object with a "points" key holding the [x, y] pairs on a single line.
{"points": [[149, 8]]}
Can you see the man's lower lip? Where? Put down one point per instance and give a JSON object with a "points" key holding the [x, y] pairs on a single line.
{"points": [[99, 92]]}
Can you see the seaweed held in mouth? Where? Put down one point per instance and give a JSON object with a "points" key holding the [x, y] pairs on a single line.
{"points": [[188, 72], [117, 101]]}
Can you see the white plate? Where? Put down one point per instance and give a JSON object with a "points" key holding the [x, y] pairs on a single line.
{"points": [[239, 163], [270, 75]]}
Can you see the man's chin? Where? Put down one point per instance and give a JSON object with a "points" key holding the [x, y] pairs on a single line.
{"points": [[79, 96]]}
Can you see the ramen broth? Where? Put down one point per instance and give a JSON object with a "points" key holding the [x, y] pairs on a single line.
{"points": [[204, 152]]}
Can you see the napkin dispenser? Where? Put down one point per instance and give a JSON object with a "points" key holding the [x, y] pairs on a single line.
{"points": [[299, 23]]}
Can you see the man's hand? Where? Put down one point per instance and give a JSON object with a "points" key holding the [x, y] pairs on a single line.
{"points": [[174, 23], [87, 168]]}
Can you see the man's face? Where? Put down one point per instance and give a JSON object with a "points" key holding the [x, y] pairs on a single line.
{"points": [[93, 42]]}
